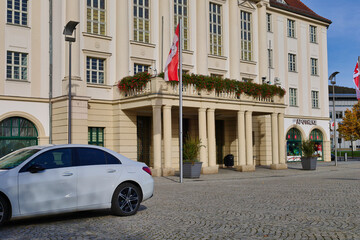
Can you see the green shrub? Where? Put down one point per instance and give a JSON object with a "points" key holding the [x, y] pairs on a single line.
{"points": [[191, 149], [308, 148]]}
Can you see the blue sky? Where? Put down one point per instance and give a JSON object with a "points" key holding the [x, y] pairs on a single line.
{"points": [[343, 36]]}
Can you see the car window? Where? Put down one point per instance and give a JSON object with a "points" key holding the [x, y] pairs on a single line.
{"points": [[110, 159], [90, 156], [57, 158], [16, 158]]}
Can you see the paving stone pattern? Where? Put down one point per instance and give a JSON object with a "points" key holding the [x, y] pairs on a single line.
{"points": [[266, 204]]}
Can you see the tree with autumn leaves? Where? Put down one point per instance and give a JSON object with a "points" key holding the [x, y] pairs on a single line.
{"points": [[349, 128]]}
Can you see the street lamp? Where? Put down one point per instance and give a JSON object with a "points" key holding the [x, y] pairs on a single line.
{"points": [[332, 79], [70, 37]]}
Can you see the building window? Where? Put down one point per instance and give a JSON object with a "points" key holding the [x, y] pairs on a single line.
{"points": [[339, 115], [215, 29], [16, 65], [291, 28], [268, 22], [96, 21], [247, 79], [314, 66], [17, 12], [246, 38], [270, 58], [95, 70], [315, 99], [140, 68], [313, 38], [96, 136], [181, 12], [292, 62], [330, 115], [142, 21], [293, 96]]}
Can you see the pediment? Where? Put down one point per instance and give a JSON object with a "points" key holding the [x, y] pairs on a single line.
{"points": [[246, 4]]}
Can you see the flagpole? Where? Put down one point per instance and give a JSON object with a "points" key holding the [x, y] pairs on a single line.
{"points": [[180, 104]]}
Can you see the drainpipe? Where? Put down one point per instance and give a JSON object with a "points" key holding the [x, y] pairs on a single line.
{"points": [[50, 68]]}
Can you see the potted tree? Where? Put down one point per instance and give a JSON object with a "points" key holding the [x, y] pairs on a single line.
{"points": [[308, 159], [191, 163]]}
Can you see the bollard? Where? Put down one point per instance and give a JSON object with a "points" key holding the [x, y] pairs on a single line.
{"points": [[345, 157]]}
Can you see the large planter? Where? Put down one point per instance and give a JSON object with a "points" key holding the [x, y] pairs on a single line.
{"points": [[309, 163], [192, 170]]}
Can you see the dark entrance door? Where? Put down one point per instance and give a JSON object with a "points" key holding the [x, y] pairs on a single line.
{"points": [[143, 139], [220, 140]]}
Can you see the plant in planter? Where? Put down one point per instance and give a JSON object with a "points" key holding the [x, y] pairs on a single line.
{"points": [[191, 163], [308, 160]]}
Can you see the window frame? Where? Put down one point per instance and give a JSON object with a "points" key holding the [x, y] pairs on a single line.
{"points": [[291, 62], [90, 71], [246, 42], [22, 13], [12, 66], [185, 22], [270, 58], [293, 101], [97, 141], [269, 22], [313, 33], [144, 68], [141, 25], [315, 99], [291, 28], [91, 21], [216, 38], [314, 66]]}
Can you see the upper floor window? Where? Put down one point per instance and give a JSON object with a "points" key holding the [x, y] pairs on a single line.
{"points": [[181, 12], [215, 16], [291, 28], [95, 70], [314, 66], [268, 22], [338, 114], [96, 136], [313, 38], [96, 19], [142, 21], [292, 62], [246, 37], [315, 99], [16, 65], [17, 12], [270, 58], [140, 68], [293, 97]]}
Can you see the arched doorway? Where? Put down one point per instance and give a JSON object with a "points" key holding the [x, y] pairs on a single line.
{"points": [[317, 137], [293, 145], [16, 133]]}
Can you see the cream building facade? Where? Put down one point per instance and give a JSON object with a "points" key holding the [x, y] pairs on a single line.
{"points": [[262, 41]]}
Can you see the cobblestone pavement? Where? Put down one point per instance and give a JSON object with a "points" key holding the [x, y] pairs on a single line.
{"points": [[266, 204]]}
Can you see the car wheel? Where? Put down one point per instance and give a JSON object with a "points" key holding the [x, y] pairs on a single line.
{"points": [[4, 210], [126, 200]]}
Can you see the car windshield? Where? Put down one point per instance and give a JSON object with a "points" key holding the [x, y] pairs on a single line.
{"points": [[14, 159]]}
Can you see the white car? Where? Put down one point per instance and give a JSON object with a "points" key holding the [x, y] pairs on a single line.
{"points": [[65, 178]]}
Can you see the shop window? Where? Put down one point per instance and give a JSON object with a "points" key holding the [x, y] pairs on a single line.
{"points": [[317, 137], [16, 133], [293, 145]]}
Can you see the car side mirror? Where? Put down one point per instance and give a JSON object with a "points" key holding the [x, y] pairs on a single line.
{"points": [[36, 168]]}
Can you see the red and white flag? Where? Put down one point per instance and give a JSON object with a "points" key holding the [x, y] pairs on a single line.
{"points": [[356, 80], [172, 63]]}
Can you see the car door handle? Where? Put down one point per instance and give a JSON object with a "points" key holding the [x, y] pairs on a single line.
{"points": [[67, 174], [111, 170]]}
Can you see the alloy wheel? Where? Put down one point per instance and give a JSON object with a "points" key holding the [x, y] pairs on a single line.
{"points": [[128, 199]]}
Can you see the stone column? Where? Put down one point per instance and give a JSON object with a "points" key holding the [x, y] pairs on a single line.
{"points": [[262, 38], [167, 170], [201, 37], [281, 139], [202, 137], [212, 168], [122, 39], [234, 40], [276, 142], [249, 143], [241, 140], [156, 118]]}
